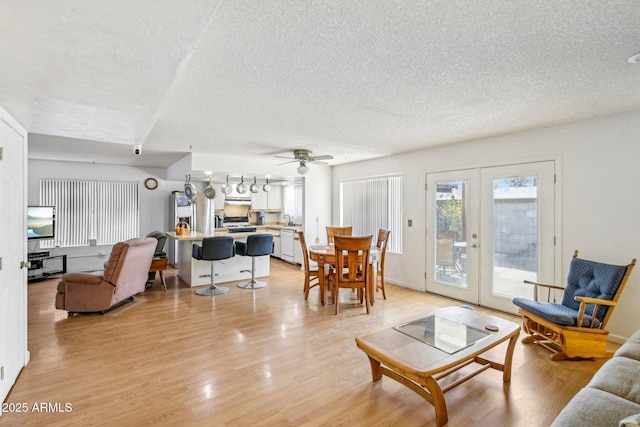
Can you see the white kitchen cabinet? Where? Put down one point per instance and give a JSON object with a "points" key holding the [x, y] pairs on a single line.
{"points": [[274, 198], [259, 201], [298, 256], [286, 244], [277, 252]]}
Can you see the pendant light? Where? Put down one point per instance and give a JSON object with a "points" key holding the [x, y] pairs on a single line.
{"points": [[266, 187]]}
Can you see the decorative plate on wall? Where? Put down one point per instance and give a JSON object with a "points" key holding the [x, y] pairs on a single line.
{"points": [[151, 183]]}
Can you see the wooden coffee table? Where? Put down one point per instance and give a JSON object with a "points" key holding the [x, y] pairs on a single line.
{"points": [[423, 367]]}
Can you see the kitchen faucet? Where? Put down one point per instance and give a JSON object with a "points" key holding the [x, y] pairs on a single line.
{"points": [[289, 223]]}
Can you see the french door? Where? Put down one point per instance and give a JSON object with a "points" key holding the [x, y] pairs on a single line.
{"points": [[488, 230]]}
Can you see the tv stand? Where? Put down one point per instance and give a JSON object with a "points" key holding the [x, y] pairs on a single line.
{"points": [[44, 265]]}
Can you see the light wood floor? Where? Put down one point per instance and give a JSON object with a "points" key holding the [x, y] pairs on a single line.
{"points": [[257, 358]]}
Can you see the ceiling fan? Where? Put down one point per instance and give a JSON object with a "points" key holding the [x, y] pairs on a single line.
{"points": [[304, 157]]}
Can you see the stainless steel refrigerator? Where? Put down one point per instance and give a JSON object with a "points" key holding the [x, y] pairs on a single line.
{"points": [[180, 209]]}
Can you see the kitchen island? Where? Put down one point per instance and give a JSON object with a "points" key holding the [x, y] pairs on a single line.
{"points": [[195, 272]]}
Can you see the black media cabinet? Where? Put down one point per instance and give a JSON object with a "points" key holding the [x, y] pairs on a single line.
{"points": [[44, 265]]}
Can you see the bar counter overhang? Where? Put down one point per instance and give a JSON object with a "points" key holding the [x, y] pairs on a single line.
{"points": [[197, 273]]}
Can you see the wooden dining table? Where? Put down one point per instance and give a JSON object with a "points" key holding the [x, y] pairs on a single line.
{"points": [[326, 254]]}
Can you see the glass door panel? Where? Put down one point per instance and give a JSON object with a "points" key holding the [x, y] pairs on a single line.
{"points": [[450, 233], [450, 217], [520, 231], [515, 235]]}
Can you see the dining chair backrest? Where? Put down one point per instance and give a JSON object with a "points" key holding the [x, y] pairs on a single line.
{"points": [[311, 276], [305, 251], [381, 244], [338, 231], [444, 252], [353, 254]]}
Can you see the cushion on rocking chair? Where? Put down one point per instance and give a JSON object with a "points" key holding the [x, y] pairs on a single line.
{"points": [[593, 280], [555, 313]]}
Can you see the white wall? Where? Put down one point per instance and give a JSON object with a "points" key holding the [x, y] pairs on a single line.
{"points": [[317, 204], [600, 207], [154, 203]]}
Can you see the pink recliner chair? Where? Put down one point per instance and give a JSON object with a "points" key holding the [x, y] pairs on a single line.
{"points": [[125, 275]]}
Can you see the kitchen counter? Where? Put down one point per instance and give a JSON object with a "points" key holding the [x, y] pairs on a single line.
{"points": [[285, 227], [196, 272]]}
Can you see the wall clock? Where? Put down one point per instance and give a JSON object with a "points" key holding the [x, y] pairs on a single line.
{"points": [[151, 183]]}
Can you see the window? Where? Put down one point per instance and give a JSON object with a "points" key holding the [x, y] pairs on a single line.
{"points": [[292, 202], [371, 204], [85, 210]]}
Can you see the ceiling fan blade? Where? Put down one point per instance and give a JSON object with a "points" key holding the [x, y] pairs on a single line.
{"points": [[324, 157], [290, 161], [285, 157], [317, 162]]}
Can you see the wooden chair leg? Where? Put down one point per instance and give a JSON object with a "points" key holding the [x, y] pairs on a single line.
{"points": [[384, 294], [306, 286], [366, 299]]}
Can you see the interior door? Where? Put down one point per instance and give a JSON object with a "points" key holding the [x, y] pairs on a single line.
{"points": [[13, 279], [489, 229]]}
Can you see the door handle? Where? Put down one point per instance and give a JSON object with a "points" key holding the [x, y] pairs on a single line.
{"points": [[475, 245]]}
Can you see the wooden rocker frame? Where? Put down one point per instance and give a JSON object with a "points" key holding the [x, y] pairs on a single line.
{"points": [[572, 342]]}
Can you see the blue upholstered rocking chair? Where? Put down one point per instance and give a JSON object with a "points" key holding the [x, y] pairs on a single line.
{"points": [[575, 329]]}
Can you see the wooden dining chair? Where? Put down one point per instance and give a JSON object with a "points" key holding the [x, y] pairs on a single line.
{"points": [[352, 253], [381, 244], [311, 274], [338, 231]]}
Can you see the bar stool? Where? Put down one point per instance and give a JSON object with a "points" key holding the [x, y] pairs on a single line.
{"points": [[213, 249], [256, 245]]}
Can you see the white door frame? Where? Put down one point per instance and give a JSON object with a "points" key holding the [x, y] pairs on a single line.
{"points": [[472, 292], [14, 354]]}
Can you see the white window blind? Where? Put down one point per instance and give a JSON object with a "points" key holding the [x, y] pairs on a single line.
{"points": [[371, 204], [105, 211]]}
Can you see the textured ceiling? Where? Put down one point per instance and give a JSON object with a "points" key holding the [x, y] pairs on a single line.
{"points": [[353, 79]]}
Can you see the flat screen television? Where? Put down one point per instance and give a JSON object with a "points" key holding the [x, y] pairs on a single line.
{"points": [[41, 221]]}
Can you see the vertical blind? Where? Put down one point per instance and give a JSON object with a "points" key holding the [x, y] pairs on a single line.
{"points": [[105, 211], [371, 204]]}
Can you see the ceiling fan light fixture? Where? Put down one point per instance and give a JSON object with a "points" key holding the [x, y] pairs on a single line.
{"points": [[303, 168], [634, 59]]}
